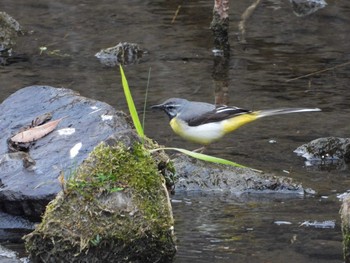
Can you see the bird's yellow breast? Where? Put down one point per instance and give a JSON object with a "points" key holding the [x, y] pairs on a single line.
{"points": [[209, 132], [203, 134]]}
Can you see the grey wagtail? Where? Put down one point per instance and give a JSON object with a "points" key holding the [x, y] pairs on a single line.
{"points": [[205, 123]]}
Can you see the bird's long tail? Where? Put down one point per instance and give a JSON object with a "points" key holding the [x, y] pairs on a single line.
{"points": [[265, 113], [233, 123]]}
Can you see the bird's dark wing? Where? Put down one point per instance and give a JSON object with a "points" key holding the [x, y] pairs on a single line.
{"points": [[219, 114]]}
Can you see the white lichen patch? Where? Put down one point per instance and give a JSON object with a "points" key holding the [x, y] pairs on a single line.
{"points": [[66, 131], [94, 109], [105, 117], [75, 150]]}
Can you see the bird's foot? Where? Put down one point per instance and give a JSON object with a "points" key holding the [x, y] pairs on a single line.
{"points": [[200, 150]]}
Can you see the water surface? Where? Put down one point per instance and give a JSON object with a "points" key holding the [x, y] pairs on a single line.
{"points": [[278, 46]]}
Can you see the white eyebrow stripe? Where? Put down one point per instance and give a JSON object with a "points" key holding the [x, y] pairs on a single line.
{"points": [[174, 105]]}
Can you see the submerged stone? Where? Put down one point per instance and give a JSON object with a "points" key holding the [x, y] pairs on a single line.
{"points": [[306, 7], [9, 29], [115, 208], [124, 53], [326, 151]]}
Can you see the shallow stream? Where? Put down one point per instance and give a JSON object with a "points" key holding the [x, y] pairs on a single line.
{"points": [[278, 47]]}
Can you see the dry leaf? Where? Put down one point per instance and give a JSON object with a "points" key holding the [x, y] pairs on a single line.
{"points": [[35, 133]]}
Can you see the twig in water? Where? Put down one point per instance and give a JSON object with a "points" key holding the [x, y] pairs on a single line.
{"points": [[176, 13], [318, 72], [245, 16]]}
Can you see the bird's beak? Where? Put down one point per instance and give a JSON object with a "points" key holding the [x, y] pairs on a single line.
{"points": [[164, 108], [158, 106]]}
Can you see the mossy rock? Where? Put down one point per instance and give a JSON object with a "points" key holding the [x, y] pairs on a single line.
{"points": [[115, 208], [345, 226]]}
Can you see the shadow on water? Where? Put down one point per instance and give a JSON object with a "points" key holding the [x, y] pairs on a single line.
{"points": [[279, 46]]}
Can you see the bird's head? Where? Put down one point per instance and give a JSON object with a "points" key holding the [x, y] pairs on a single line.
{"points": [[172, 107]]}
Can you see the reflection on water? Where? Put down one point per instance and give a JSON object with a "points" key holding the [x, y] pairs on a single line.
{"points": [[278, 47], [225, 228]]}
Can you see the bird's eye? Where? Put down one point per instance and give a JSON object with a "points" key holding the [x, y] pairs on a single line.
{"points": [[170, 107]]}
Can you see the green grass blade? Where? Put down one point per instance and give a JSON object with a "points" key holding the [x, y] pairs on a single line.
{"points": [[205, 157], [131, 105]]}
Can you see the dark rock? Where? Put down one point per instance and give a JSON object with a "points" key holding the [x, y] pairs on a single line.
{"points": [[9, 31], [326, 151], [196, 175], [123, 53], [29, 180], [12, 228]]}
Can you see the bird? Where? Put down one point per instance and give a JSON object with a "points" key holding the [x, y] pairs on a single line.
{"points": [[205, 123]]}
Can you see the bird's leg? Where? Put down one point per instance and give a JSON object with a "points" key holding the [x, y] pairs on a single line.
{"points": [[200, 150]]}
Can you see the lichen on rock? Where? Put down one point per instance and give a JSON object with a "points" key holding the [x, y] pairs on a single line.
{"points": [[9, 30], [114, 208]]}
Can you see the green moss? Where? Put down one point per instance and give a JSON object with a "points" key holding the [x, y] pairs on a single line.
{"points": [[346, 234], [115, 169], [116, 197], [346, 243]]}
